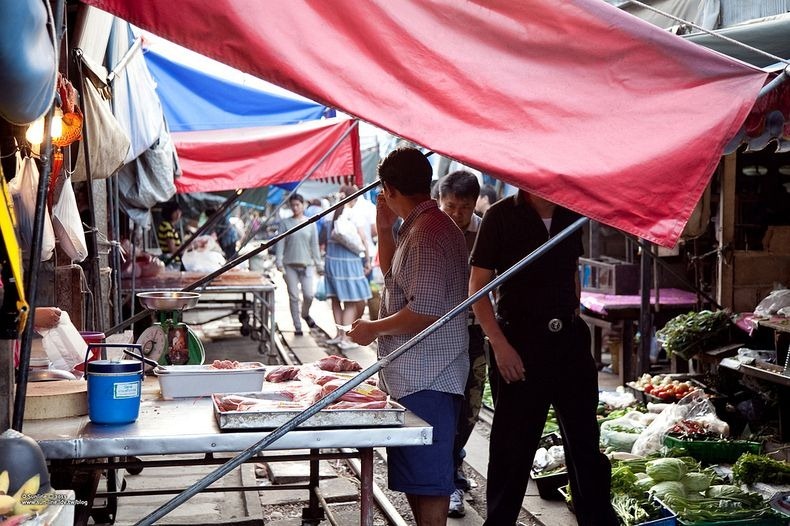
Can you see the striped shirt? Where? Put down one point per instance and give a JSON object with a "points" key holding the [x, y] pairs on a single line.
{"points": [[164, 232], [429, 275]]}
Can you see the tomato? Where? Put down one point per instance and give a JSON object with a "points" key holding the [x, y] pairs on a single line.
{"points": [[649, 388]]}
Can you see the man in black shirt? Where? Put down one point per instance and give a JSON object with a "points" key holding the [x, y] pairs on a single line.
{"points": [[540, 348]]}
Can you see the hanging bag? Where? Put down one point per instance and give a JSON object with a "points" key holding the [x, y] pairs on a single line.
{"points": [[24, 189], [345, 232], [67, 224]]}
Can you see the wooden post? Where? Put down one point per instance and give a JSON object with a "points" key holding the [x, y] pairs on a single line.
{"points": [[725, 233]]}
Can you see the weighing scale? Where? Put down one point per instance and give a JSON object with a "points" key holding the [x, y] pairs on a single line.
{"points": [[170, 341]]}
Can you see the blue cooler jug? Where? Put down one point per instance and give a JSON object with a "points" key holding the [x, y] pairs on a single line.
{"points": [[114, 388]]}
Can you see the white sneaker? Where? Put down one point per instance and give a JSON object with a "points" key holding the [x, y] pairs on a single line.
{"points": [[346, 345], [457, 504], [334, 341]]}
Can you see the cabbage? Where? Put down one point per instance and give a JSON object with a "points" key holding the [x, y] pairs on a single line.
{"points": [[662, 469], [668, 487], [697, 481], [725, 491], [645, 483]]}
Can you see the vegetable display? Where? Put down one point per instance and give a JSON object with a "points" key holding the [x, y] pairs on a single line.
{"points": [[686, 335], [751, 468], [666, 469], [663, 387]]}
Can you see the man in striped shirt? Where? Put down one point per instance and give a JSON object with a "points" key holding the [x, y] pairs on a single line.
{"points": [[425, 274], [168, 236]]}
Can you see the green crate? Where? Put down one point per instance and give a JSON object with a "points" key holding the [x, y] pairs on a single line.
{"points": [[714, 451], [757, 521]]}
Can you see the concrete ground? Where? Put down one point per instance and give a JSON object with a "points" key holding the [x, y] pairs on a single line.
{"points": [[222, 340]]}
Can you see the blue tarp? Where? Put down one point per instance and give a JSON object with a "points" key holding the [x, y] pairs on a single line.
{"points": [[195, 100]]}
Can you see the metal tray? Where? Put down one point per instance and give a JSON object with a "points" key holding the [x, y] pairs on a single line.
{"points": [[395, 415]]}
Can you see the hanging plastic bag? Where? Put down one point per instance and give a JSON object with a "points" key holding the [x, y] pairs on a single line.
{"points": [[345, 232], [320, 289], [24, 189], [63, 344], [67, 224]]}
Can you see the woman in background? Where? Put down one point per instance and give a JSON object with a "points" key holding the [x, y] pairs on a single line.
{"points": [[346, 284]]}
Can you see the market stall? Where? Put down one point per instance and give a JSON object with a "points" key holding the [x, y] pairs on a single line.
{"points": [[595, 182], [188, 425], [242, 292]]}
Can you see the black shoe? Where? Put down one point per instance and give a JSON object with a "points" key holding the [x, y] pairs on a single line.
{"points": [[298, 333], [309, 321]]}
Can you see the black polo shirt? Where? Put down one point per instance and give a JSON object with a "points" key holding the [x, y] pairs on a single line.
{"points": [[546, 288]]}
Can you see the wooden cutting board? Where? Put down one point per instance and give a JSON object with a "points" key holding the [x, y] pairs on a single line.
{"points": [[56, 399]]}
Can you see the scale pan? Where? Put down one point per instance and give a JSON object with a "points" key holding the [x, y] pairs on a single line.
{"points": [[168, 300]]}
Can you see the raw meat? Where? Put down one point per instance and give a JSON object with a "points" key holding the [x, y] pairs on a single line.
{"points": [[337, 364], [378, 404], [361, 393], [225, 364], [282, 373]]}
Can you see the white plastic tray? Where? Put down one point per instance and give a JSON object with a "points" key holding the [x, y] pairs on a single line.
{"points": [[184, 381]]}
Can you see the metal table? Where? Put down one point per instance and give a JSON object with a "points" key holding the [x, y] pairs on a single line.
{"points": [[188, 426], [241, 290]]}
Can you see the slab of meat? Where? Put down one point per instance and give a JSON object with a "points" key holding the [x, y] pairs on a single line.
{"points": [[282, 373], [327, 377], [378, 404], [337, 364], [233, 364], [225, 364], [361, 393], [241, 403]]}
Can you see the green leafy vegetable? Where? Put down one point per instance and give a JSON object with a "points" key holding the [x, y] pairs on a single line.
{"points": [[685, 334], [662, 469], [629, 510], [751, 468], [668, 487], [697, 481]]}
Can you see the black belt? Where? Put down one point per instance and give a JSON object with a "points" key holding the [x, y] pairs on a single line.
{"points": [[553, 325]]}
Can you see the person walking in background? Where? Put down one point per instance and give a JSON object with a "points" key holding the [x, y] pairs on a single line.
{"points": [[458, 193], [346, 285], [425, 272], [224, 232], [298, 258], [541, 350], [487, 198], [168, 236]]}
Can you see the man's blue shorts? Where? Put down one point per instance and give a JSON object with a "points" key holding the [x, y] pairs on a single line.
{"points": [[427, 470]]}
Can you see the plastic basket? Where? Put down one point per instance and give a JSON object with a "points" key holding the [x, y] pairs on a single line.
{"points": [[714, 451], [548, 485], [667, 518], [757, 521]]}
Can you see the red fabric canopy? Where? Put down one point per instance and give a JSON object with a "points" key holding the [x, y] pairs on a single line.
{"points": [[216, 160], [575, 100]]}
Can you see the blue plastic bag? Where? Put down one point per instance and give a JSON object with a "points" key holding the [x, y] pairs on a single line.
{"points": [[320, 289]]}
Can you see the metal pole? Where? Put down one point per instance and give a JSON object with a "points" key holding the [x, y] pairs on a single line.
{"points": [[93, 248], [281, 431], [205, 226], [35, 246], [645, 313], [309, 174]]}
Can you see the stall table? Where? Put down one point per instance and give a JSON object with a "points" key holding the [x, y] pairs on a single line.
{"points": [[239, 290], [188, 426], [605, 310]]}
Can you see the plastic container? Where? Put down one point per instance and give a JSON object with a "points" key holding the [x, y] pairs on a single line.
{"points": [[184, 381], [549, 485], [714, 451], [114, 388]]}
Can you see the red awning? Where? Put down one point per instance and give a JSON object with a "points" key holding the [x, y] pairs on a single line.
{"points": [[575, 100], [216, 160]]}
